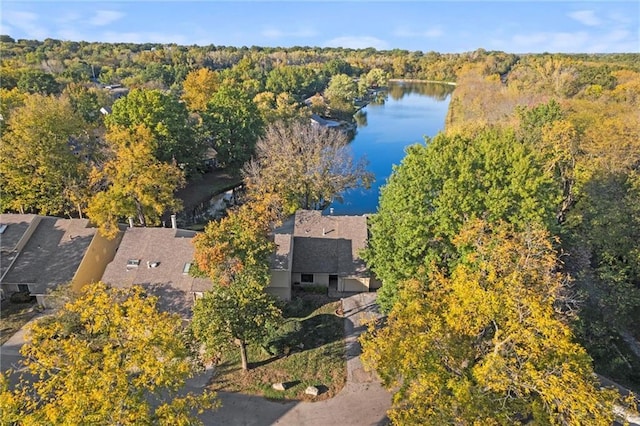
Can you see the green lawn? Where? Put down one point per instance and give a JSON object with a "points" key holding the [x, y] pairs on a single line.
{"points": [[311, 353]]}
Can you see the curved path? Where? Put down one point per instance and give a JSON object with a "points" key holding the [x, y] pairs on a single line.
{"points": [[361, 402]]}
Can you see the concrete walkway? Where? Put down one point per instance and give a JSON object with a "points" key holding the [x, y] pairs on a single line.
{"points": [[361, 402]]}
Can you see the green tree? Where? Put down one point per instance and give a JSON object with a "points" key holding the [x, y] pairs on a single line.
{"points": [[168, 121], [341, 92], [232, 124], [237, 313], [442, 184], [374, 78], [108, 357], [482, 342], [38, 168], [36, 81], [85, 101], [133, 183], [305, 166], [282, 107]]}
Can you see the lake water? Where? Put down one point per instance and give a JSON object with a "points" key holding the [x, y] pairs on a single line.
{"points": [[410, 112]]}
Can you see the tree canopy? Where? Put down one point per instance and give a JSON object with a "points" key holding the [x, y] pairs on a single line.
{"points": [[234, 314], [442, 184], [232, 124], [305, 166], [168, 121], [133, 183], [39, 171], [108, 357], [483, 341]]}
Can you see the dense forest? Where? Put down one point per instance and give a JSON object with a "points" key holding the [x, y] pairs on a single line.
{"points": [[527, 206]]}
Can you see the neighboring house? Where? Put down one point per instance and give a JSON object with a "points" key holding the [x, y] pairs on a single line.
{"points": [[321, 250], [316, 120], [158, 259], [38, 253]]}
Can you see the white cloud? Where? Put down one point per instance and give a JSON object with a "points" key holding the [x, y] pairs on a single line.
{"points": [[67, 18], [551, 42], [434, 32], [105, 17], [27, 22], [71, 35], [142, 37], [357, 42], [586, 17], [300, 33]]}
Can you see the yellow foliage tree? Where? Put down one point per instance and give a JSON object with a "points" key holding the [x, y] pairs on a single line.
{"points": [[198, 87], [134, 182], [485, 343], [108, 357]]}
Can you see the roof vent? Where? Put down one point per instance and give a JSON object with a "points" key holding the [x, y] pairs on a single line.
{"points": [[133, 263]]}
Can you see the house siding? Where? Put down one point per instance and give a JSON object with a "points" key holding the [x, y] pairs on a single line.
{"points": [[280, 285], [353, 284]]}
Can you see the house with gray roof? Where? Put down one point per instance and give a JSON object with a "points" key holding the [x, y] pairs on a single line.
{"points": [[316, 249], [38, 253], [159, 260]]}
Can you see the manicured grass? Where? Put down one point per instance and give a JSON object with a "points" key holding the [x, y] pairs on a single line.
{"points": [[311, 354], [13, 316]]}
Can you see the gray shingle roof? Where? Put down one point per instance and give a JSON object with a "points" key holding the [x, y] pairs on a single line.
{"points": [[170, 250], [329, 244], [52, 253]]}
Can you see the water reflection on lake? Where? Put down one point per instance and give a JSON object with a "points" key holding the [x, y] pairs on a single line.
{"points": [[410, 112]]}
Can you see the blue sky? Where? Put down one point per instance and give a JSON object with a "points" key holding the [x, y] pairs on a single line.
{"points": [[451, 27]]}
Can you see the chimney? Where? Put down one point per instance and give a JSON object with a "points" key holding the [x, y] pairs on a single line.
{"points": [[130, 222], [174, 223]]}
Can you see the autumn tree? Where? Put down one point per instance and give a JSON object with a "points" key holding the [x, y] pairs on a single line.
{"points": [[133, 183], [375, 78], [39, 171], [238, 242], [168, 121], [232, 124], [108, 357], [305, 166], [198, 87], [486, 342], [442, 184], [281, 107], [237, 313]]}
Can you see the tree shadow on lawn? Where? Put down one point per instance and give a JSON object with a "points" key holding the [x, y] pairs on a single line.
{"points": [[306, 334]]}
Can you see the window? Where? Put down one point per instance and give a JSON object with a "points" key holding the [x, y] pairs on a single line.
{"points": [[306, 278], [185, 270], [133, 263]]}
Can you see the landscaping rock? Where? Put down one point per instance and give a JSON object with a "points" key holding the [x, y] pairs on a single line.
{"points": [[312, 390], [278, 386]]}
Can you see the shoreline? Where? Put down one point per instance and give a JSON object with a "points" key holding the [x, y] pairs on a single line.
{"points": [[417, 80]]}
